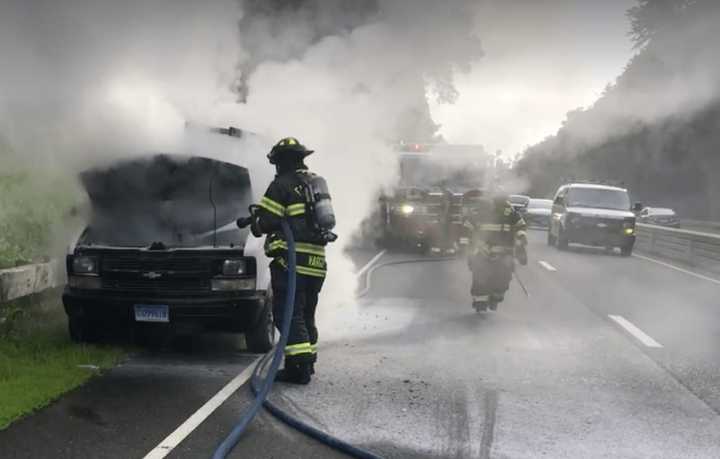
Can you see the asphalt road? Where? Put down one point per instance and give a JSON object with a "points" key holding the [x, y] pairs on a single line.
{"points": [[410, 370]]}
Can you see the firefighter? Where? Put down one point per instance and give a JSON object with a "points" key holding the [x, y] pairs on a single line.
{"points": [[440, 229], [498, 236], [302, 198]]}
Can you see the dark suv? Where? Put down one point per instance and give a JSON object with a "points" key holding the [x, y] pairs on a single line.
{"points": [[161, 250], [596, 215]]}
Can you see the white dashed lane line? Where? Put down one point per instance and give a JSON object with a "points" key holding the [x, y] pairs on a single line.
{"points": [[636, 332], [547, 265]]}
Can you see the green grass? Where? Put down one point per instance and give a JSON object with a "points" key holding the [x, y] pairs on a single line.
{"points": [[34, 204], [39, 363]]}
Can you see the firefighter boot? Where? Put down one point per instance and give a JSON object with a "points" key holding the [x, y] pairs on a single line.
{"points": [[495, 298], [480, 303], [298, 373]]}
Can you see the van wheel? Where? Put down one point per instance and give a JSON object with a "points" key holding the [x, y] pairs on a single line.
{"points": [[626, 251], [562, 240], [82, 330], [261, 338]]}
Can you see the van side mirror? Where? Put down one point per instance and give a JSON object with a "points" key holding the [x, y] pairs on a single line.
{"points": [[559, 200], [637, 207]]}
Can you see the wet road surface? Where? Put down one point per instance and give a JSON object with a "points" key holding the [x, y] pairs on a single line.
{"points": [[608, 357]]}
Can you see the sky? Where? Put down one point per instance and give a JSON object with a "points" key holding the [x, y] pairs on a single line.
{"points": [[541, 60]]}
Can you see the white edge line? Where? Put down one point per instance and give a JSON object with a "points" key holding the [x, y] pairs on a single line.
{"points": [[677, 268], [636, 332], [370, 263], [186, 428], [547, 265]]}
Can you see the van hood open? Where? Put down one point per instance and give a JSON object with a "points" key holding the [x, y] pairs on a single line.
{"points": [[167, 199]]}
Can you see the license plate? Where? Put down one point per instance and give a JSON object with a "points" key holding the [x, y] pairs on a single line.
{"points": [[152, 313], [602, 225]]}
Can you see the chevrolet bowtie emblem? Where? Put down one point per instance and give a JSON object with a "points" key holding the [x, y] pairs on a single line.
{"points": [[151, 275]]}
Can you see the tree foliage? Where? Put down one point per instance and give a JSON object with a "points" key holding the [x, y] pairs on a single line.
{"points": [[657, 129], [33, 211]]}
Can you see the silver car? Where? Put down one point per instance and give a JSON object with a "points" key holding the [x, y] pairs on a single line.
{"points": [[659, 216], [538, 212]]}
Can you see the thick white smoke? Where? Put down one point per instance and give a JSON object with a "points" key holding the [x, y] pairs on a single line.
{"points": [[86, 81], [349, 84]]}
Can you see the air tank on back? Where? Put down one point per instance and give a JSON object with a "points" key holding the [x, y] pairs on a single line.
{"points": [[324, 213]]}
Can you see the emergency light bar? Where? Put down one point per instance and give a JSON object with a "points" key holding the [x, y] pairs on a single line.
{"points": [[414, 147]]}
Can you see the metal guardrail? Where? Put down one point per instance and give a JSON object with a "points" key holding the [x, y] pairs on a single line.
{"points": [[700, 225], [694, 248], [28, 279]]}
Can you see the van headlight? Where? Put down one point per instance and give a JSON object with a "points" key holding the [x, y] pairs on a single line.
{"points": [[85, 266], [628, 227], [234, 267]]}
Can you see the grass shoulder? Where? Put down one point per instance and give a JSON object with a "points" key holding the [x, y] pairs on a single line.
{"points": [[39, 363]]}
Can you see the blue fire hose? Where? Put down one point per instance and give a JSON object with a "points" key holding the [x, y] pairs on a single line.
{"points": [[261, 389], [307, 429], [232, 439]]}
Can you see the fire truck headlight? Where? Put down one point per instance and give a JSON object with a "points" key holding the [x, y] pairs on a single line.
{"points": [[407, 209]]}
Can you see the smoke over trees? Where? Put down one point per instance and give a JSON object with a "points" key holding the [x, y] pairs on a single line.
{"points": [[657, 129], [381, 37]]}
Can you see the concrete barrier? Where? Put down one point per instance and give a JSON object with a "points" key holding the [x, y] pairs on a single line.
{"points": [[29, 279], [694, 248]]}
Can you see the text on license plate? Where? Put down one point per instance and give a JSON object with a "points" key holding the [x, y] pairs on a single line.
{"points": [[152, 313]]}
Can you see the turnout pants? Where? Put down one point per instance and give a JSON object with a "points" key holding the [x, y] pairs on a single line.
{"points": [[302, 341], [491, 275]]}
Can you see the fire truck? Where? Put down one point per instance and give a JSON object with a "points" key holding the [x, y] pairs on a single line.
{"points": [[424, 211]]}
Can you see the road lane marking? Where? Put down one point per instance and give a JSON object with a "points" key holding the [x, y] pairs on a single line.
{"points": [[370, 263], [636, 332], [186, 428], [547, 265], [677, 268], [491, 405]]}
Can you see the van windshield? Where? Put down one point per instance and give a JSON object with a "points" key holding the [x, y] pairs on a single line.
{"points": [[598, 198]]}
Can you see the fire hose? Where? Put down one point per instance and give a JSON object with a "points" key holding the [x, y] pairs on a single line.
{"points": [[261, 388]]}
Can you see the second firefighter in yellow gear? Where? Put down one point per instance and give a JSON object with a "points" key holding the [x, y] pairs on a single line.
{"points": [[498, 237]]}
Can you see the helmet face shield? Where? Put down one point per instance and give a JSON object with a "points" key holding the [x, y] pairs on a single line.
{"points": [[289, 146]]}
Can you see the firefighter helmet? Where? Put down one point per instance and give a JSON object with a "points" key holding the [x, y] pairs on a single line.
{"points": [[288, 146]]}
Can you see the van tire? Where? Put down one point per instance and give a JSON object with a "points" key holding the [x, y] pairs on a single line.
{"points": [[82, 330], [261, 338]]}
